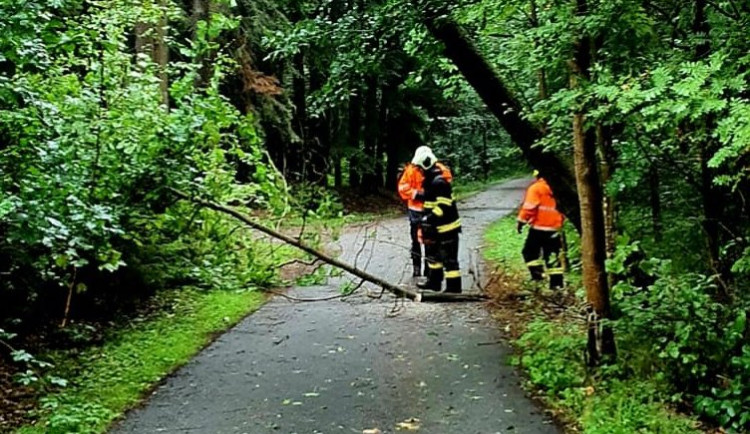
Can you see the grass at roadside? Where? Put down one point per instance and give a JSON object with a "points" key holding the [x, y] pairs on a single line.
{"points": [[107, 380], [550, 338]]}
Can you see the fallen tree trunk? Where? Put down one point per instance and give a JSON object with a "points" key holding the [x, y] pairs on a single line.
{"points": [[403, 292], [478, 72]]}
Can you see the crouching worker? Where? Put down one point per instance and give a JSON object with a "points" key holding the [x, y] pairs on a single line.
{"points": [[440, 227], [543, 245]]}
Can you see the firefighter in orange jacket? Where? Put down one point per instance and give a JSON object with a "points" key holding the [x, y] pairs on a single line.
{"points": [[411, 191], [440, 227], [539, 211]]}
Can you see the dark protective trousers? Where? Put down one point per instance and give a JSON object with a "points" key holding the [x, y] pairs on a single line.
{"points": [[442, 263], [416, 246], [543, 248]]}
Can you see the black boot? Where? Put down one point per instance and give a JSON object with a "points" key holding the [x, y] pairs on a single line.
{"points": [[453, 285], [429, 284], [555, 281], [537, 272]]}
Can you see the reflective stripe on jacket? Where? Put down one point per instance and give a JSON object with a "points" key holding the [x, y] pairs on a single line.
{"points": [[410, 184], [441, 214], [539, 208]]}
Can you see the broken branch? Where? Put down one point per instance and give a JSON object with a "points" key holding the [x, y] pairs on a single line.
{"points": [[413, 295]]}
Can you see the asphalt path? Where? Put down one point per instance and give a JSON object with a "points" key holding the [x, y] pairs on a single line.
{"points": [[361, 365]]}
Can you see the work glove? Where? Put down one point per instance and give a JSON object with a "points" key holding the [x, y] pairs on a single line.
{"points": [[519, 227]]}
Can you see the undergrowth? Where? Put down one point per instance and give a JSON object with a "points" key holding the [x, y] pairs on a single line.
{"points": [[551, 351], [106, 380]]}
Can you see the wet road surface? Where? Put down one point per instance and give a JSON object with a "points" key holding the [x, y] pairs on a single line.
{"points": [[360, 364]]}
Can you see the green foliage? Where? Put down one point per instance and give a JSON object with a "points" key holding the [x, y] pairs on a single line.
{"points": [[90, 150], [135, 358], [552, 354], [686, 337], [504, 245]]}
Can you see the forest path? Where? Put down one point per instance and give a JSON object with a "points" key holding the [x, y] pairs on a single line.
{"points": [[359, 364]]}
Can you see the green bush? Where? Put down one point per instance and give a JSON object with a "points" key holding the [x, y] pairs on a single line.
{"points": [[89, 152], [678, 331]]}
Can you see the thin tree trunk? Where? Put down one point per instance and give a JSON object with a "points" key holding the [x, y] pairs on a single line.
{"points": [[712, 198], [202, 12], [380, 146], [337, 173], [541, 73], [655, 201], [485, 156], [296, 158], [608, 159], [161, 52], [355, 125], [319, 135], [369, 177], [593, 236], [151, 41], [388, 135]]}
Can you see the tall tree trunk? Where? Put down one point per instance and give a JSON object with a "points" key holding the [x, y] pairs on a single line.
{"points": [[202, 12], [655, 200], [608, 160], [161, 52], [382, 132], [296, 160], [391, 146], [369, 177], [590, 196], [506, 108], [355, 126], [485, 156], [151, 42], [541, 74], [319, 136], [712, 197]]}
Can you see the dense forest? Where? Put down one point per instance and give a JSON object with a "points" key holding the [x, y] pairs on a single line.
{"points": [[637, 112]]}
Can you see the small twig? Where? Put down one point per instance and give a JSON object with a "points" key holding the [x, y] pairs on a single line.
{"points": [[328, 298], [299, 261], [479, 344], [69, 298]]}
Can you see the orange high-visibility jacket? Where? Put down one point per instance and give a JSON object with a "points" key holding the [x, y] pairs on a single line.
{"points": [[410, 184], [539, 208]]}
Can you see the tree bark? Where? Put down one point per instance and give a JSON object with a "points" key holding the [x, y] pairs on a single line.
{"points": [[712, 197], [590, 196], [655, 201], [161, 52], [541, 73], [202, 12], [296, 159], [370, 181], [506, 108], [151, 41], [355, 125], [608, 160], [318, 146]]}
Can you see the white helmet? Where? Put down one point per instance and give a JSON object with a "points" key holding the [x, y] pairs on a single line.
{"points": [[424, 158]]}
